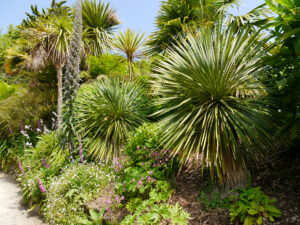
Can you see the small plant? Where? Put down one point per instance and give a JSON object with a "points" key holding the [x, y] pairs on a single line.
{"points": [[95, 218], [212, 201], [252, 206]]}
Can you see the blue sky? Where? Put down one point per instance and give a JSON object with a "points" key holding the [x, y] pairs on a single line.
{"points": [[136, 14]]}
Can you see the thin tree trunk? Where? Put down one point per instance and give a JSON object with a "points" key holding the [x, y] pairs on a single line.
{"points": [[130, 69], [59, 95]]}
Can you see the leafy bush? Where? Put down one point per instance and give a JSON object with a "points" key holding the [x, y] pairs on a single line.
{"points": [[6, 90], [252, 206], [155, 210], [41, 165], [107, 65], [213, 200], [68, 194], [107, 111]]}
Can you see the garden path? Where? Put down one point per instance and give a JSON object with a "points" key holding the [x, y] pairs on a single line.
{"points": [[11, 210]]}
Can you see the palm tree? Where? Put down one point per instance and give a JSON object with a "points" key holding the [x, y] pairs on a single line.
{"points": [[129, 43], [113, 102], [47, 38], [211, 94], [99, 20], [176, 17]]}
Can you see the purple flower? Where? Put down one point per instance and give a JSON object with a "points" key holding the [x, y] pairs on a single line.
{"points": [[123, 184], [169, 150], [142, 164], [10, 130], [160, 161], [140, 182], [167, 159], [154, 165], [42, 188], [20, 166], [144, 147], [81, 158], [142, 178], [106, 208], [153, 180], [122, 198], [150, 172], [121, 166], [133, 180], [149, 178], [45, 164], [21, 125], [124, 189], [138, 148], [39, 124], [117, 198]]}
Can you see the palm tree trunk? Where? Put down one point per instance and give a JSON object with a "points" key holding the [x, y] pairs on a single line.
{"points": [[59, 95], [130, 69]]}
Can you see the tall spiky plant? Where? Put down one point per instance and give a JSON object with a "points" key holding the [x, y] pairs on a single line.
{"points": [[71, 81], [210, 94]]}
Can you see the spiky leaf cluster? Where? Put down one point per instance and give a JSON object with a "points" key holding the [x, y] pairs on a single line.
{"points": [[71, 81]]}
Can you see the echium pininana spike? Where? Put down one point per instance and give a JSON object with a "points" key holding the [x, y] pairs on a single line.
{"points": [[71, 82]]}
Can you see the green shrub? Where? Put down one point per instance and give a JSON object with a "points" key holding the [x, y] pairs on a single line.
{"points": [[43, 162], [252, 206], [107, 111], [68, 194], [213, 200], [107, 65], [6, 90]]}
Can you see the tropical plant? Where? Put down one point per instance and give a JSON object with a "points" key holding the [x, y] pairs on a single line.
{"points": [[176, 17], [129, 43], [252, 206], [48, 38], [211, 99], [99, 20], [106, 113]]}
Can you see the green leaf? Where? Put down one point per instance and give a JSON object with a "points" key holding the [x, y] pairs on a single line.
{"points": [[252, 212]]}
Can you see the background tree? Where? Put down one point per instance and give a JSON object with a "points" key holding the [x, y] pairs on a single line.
{"points": [[129, 43]]}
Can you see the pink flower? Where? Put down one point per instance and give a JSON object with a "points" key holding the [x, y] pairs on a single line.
{"points": [[123, 184], [142, 164], [124, 189], [144, 147], [153, 180], [150, 172], [142, 178], [117, 198], [122, 198], [133, 180], [149, 178], [45, 164], [154, 165], [20, 166], [140, 182], [42, 188], [121, 166], [106, 208], [138, 148], [160, 161], [169, 150], [167, 159]]}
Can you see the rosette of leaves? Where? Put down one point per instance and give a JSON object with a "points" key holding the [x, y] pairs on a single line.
{"points": [[211, 98], [107, 111]]}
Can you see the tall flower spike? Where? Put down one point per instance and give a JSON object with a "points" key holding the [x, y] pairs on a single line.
{"points": [[71, 82]]}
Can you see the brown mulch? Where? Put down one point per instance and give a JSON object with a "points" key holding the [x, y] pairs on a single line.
{"points": [[279, 179]]}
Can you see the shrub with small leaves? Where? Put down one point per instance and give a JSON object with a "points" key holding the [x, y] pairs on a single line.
{"points": [[69, 193]]}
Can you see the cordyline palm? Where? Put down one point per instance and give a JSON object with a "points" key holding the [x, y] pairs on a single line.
{"points": [[99, 20], [107, 111], [129, 43], [49, 38], [210, 94], [176, 17]]}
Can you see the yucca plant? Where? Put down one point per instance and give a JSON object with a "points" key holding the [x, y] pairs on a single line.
{"points": [[211, 93], [107, 111], [129, 43]]}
